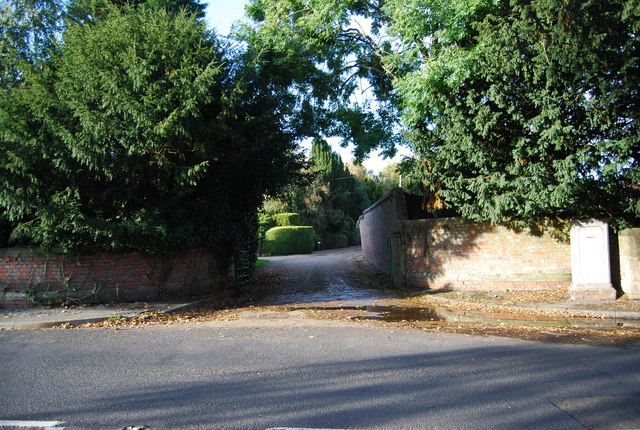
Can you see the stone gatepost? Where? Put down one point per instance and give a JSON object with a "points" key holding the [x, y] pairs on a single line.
{"points": [[629, 243], [590, 261]]}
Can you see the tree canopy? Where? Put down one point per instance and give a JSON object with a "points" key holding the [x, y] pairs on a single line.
{"points": [[129, 126], [85, 11], [515, 109], [28, 33], [141, 133]]}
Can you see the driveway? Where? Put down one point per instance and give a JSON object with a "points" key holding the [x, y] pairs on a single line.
{"points": [[325, 276]]}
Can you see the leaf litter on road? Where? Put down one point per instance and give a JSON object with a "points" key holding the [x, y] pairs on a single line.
{"points": [[503, 305]]}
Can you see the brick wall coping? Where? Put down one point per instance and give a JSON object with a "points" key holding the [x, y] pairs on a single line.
{"points": [[29, 252], [58, 252], [384, 199]]}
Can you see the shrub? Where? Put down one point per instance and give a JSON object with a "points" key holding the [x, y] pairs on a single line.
{"points": [[334, 240], [265, 222], [286, 219], [287, 240]]}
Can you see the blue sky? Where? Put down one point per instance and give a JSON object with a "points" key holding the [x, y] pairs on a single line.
{"points": [[221, 14]]}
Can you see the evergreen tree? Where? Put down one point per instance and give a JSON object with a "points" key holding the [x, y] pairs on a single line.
{"points": [[28, 35], [516, 109], [334, 200], [542, 119], [141, 135], [86, 11]]}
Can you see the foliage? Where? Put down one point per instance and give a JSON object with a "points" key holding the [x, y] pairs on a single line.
{"points": [[389, 178], [516, 109], [395, 175], [87, 11], [334, 200], [274, 205], [544, 121], [30, 29], [141, 134], [28, 35], [368, 182], [289, 240], [268, 220], [309, 45], [331, 199], [264, 223], [286, 219]]}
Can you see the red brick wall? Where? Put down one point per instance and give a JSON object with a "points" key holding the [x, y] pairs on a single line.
{"points": [[376, 225], [457, 254], [28, 276]]}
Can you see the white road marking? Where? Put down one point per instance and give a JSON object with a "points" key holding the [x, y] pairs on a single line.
{"points": [[44, 425]]}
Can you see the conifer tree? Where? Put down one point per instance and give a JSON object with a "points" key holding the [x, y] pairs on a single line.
{"points": [[29, 30], [141, 134]]}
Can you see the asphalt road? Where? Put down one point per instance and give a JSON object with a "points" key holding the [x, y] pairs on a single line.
{"points": [[200, 377], [302, 373]]}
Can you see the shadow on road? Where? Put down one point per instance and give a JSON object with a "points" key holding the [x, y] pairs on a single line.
{"points": [[475, 387]]}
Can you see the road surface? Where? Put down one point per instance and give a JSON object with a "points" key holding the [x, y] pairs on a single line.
{"points": [[287, 372]]}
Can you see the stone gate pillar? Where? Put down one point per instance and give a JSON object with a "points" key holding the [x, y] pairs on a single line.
{"points": [[629, 241], [590, 261]]}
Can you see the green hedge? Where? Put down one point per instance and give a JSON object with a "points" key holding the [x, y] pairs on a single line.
{"points": [[286, 219], [334, 240], [289, 240]]}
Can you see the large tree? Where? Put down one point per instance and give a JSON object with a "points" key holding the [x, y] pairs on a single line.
{"points": [[86, 11], [515, 109], [334, 200], [141, 134], [538, 114], [29, 30], [328, 63]]}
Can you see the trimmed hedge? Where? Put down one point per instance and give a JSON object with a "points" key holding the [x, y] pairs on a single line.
{"points": [[286, 219], [287, 240]]}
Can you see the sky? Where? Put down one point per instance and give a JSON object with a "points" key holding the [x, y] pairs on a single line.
{"points": [[221, 14]]}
